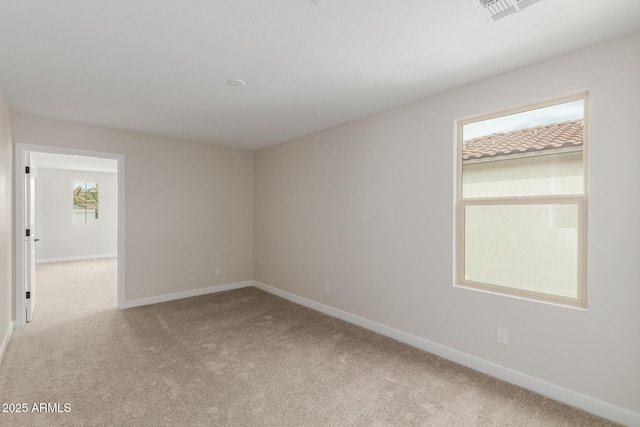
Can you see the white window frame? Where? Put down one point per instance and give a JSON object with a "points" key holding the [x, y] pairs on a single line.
{"points": [[580, 200]]}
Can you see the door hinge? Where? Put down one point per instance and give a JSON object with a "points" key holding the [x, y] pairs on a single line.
{"points": [[28, 232], [27, 169], [28, 295]]}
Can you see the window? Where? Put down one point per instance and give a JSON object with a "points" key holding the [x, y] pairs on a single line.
{"points": [[521, 202], [85, 202]]}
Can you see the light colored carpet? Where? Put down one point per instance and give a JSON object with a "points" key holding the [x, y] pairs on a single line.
{"points": [[237, 358]]}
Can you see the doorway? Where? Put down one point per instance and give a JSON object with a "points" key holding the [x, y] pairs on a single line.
{"points": [[93, 229]]}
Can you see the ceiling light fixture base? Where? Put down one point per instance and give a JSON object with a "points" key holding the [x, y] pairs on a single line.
{"points": [[236, 83]]}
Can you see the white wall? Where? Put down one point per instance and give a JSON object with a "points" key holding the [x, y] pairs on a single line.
{"points": [[6, 226], [169, 249], [369, 207], [60, 239]]}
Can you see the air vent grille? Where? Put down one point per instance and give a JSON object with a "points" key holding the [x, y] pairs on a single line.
{"points": [[487, 3], [498, 9]]}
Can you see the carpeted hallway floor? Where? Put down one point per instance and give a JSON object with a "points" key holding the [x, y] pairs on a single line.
{"points": [[237, 358]]}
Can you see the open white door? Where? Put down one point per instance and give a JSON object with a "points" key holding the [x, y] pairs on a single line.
{"points": [[30, 239], [25, 243]]}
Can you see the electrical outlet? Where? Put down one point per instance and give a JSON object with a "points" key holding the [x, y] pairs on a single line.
{"points": [[502, 335], [218, 270], [327, 287]]}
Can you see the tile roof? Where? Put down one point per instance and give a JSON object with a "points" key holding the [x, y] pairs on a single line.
{"points": [[539, 138]]}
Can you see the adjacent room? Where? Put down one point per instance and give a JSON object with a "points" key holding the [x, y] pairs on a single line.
{"points": [[76, 261], [311, 212]]}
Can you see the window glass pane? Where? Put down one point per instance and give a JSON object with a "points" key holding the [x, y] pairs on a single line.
{"points": [[527, 247], [533, 153], [85, 202], [559, 174], [79, 202], [92, 202]]}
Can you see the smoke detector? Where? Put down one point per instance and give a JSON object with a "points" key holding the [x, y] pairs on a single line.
{"points": [[498, 9]]}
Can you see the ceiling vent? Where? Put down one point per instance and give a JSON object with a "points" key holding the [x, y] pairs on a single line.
{"points": [[498, 9]]}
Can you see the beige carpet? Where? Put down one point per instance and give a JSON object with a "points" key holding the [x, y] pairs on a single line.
{"points": [[238, 358]]}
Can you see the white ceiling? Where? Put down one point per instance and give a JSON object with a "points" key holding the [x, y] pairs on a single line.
{"points": [[162, 66]]}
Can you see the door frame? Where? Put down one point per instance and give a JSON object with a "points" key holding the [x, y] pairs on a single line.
{"points": [[20, 202]]}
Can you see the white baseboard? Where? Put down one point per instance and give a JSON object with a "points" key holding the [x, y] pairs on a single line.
{"points": [[5, 340], [74, 258], [544, 388], [186, 294]]}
